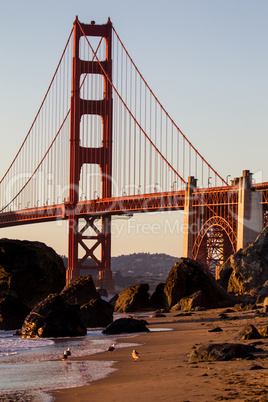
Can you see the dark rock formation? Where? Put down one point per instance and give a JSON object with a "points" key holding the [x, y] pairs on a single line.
{"points": [[158, 299], [80, 291], [53, 317], [197, 299], [248, 332], [29, 271], [97, 313], [133, 298], [12, 313], [188, 277], [222, 352], [248, 268], [125, 326]]}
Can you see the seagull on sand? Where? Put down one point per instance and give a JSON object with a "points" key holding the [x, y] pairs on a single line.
{"points": [[135, 355], [111, 348], [64, 356]]}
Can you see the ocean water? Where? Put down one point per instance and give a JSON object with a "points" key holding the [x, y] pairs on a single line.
{"points": [[29, 368]]}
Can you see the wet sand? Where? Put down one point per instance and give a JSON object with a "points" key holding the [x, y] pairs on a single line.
{"points": [[163, 373]]}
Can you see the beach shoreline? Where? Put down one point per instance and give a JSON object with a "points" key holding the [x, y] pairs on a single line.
{"points": [[163, 372]]}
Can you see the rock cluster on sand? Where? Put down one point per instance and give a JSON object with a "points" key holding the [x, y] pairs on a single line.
{"points": [[247, 270], [222, 352], [190, 284], [53, 317], [133, 298]]}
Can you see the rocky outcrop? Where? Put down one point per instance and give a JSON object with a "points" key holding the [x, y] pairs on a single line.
{"points": [[53, 317], [12, 313], [222, 352], [125, 326], [29, 271], [80, 291], [133, 298], [97, 313], [247, 270], [188, 277]]}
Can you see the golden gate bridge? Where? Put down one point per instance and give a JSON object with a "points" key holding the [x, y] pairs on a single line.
{"points": [[101, 144]]}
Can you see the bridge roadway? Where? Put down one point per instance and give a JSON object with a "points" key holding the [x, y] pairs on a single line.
{"points": [[168, 201]]}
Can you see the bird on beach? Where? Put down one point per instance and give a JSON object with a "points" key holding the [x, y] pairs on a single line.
{"points": [[64, 356], [68, 352], [135, 355], [111, 348]]}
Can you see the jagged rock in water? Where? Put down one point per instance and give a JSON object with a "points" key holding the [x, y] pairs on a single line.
{"points": [[188, 277], [158, 299], [248, 268], [80, 291], [29, 271], [222, 352], [248, 332], [12, 313], [133, 298], [125, 326], [53, 317], [97, 313]]}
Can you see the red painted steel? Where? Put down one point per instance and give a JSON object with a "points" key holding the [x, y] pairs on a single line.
{"points": [[80, 155], [124, 148]]}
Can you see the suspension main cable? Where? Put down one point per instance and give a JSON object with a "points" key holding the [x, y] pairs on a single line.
{"points": [[39, 110], [133, 117], [164, 110]]}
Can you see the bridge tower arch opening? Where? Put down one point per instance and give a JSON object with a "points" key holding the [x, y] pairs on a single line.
{"points": [[214, 243]]}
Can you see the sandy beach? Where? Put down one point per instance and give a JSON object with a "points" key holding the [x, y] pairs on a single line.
{"points": [[163, 372]]}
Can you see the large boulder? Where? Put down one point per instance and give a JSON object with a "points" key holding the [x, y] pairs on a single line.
{"points": [[222, 352], [12, 313], [97, 313], [80, 290], [29, 271], [53, 317], [188, 277], [125, 326], [133, 298], [248, 268]]}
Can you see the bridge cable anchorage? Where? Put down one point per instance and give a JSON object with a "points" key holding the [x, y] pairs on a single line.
{"points": [[164, 110], [132, 116]]}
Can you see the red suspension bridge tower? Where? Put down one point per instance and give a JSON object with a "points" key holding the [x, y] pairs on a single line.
{"points": [[80, 155]]}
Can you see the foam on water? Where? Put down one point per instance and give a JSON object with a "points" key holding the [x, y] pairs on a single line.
{"points": [[31, 367]]}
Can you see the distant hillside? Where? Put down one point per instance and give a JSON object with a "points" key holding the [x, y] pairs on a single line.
{"points": [[136, 268], [143, 264]]}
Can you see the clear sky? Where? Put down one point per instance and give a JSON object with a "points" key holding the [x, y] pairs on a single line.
{"points": [[206, 61]]}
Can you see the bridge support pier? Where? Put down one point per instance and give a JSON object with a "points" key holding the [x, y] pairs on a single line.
{"points": [[250, 216], [188, 218]]}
